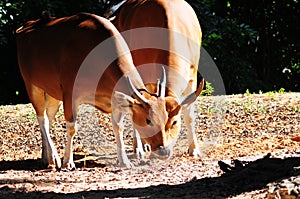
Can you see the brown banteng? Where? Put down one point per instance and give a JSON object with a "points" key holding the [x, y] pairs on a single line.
{"points": [[163, 32]]}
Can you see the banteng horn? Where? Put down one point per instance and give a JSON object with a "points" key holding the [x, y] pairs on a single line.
{"points": [[162, 83], [136, 93]]}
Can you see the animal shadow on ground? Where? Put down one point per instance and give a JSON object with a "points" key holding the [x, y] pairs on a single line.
{"points": [[239, 177], [36, 164]]}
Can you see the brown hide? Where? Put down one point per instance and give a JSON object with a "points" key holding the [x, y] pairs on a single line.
{"points": [[51, 53], [178, 39], [176, 17]]}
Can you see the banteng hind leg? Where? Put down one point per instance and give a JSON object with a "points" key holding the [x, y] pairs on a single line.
{"points": [[52, 106], [45, 108]]}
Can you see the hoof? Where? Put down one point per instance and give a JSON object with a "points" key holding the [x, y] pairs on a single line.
{"points": [[53, 163], [127, 164], [69, 166], [194, 152]]}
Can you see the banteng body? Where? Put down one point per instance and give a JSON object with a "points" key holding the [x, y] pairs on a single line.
{"points": [[163, 32], [77, 59]]}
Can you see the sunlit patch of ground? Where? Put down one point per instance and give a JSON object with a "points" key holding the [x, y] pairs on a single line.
{"points": [[245, 127]]}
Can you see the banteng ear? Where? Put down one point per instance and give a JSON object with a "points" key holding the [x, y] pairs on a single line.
{"points": [[123, 101], [193, 96]]}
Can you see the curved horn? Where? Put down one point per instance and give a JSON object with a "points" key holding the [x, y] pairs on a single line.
{"points": [[137, 94], [158, 87], [162, 84]]}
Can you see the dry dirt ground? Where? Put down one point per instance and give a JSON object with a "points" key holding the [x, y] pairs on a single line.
{"points": [[249, 144]]}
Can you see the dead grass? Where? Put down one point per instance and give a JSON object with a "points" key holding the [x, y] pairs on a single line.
{"points": [[229, 127]]}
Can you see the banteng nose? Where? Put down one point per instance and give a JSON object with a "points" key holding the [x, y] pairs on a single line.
{"points": [[163, 151]]}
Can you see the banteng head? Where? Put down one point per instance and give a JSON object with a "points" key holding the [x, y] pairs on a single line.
{"points": [[156, 116]]}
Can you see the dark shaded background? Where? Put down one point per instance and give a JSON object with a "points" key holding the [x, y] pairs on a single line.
{"points": [[254, 43]]}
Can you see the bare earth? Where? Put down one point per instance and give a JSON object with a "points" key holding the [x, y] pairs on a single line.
{"points": [[249, 144]]}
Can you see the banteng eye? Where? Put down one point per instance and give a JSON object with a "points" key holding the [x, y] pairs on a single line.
{"points": [[149, 122]]}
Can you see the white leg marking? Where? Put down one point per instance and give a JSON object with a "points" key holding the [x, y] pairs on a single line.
{"points": [[49, 153], [189, 120], [139, 145], [68, 162], [117, 123]]}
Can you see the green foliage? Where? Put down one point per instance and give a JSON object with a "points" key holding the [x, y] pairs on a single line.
{"points": [[281, 91], [31, 116], [269, 93], [229, 42], [248, 92], [254, 43], [208, 90]]}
